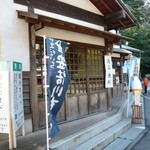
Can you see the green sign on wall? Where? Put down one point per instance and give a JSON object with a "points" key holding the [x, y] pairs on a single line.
{"points": [[17, 66]]}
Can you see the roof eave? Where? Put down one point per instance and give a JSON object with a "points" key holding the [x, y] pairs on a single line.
{"points": [[52, 22]]}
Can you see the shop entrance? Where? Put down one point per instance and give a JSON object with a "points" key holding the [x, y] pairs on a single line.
{"points": [[86, 93]]}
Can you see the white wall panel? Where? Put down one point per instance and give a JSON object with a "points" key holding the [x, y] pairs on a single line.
{"points": [[70, 36], [14, 31]]}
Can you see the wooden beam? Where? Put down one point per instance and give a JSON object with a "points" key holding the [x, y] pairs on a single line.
{"points": [[106, 47], [106, 6], [39, 26], [45, 19], [73, 27], [114, 17], [125, 24], [31, 20], [64, 9], [129, 15], [113, 41], [29, 14]]}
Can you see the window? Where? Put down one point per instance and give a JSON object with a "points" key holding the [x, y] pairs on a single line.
{"points": [[95, 69], [76, 62], [85, 69]]}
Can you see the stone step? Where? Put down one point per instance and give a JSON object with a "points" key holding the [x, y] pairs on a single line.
{"points": [[85, 134], [106, 137], [127, 139], [88, 133]]}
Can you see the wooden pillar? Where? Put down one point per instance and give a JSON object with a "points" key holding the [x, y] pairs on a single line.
{"points": [[109, 99], [33, 79], [109, 94], [87, 83]]}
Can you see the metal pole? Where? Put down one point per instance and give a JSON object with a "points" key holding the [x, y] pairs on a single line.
{"points": [[128, 95], [46, 100], [11, 144]]}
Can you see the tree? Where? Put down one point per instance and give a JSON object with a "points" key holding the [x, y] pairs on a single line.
{"points": [[135, 6], [140, 34], [146, 17]]}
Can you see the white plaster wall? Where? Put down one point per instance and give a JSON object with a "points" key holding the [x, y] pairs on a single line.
{"points": [[14, 32], [71, 36], [84, 4]]}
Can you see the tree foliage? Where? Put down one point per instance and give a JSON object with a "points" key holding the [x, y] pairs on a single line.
{"points": [[135, 6], [140, 34], [146, 17]]}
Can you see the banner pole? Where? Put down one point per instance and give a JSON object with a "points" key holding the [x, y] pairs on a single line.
{"points": [[128, 102], [128, 96], [46, 100]]}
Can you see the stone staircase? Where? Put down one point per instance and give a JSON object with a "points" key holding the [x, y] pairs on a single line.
{"points": [[97, 136]]}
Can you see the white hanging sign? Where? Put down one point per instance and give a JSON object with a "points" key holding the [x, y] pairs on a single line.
{"points": [[108, 72]]}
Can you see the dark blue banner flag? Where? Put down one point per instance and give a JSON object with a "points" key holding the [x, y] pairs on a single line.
{"points": [[58, 79]]}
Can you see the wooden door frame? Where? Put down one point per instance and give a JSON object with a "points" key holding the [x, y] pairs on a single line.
{"points": [[33, 78]]}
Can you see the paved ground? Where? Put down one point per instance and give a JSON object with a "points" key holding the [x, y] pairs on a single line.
{"points": [[144, 143], [37, 140]]}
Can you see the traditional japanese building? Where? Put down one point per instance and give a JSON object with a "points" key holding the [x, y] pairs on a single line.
{"points": [[85, 24]]}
